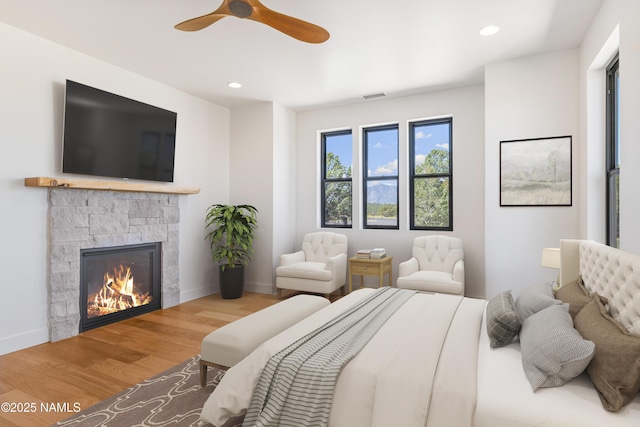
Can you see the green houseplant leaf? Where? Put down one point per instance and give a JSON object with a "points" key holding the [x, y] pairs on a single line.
{"points": [[231, 233]]}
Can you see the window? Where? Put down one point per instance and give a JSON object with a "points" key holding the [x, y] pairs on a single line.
{"points": [[336, 179], [430, 189], [380, 154], [613, 154]]}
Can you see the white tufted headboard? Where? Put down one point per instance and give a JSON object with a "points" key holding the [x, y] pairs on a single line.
{"points": [[610, 272]]}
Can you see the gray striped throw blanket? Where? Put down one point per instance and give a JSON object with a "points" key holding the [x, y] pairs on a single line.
{"points": [[296, 386]]}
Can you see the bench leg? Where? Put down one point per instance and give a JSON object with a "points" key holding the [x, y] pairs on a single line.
{"points": [[203, 373], [204, 366]]}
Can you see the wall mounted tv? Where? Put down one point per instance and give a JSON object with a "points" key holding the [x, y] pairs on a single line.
{"points": [[112, 136]]}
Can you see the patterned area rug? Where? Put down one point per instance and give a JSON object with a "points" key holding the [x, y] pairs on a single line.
{"points": [[172, 398]]}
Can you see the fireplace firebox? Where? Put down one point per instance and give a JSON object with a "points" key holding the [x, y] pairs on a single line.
{"points": [[117, 283]]}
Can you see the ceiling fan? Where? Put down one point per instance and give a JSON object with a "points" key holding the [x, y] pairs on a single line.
{"points": [[256, 11]]}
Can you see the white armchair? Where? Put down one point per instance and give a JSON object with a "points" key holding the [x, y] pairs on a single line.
{"points": [[319, 267], [437, 265]]}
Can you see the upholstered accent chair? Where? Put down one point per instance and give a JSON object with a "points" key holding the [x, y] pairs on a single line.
{"points": [[436, 265], [319, 267]]}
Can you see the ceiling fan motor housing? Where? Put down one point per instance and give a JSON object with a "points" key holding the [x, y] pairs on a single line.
{"points": [[256, 11], [240, 8]]}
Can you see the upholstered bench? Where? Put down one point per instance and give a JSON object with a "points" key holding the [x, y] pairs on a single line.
{"points": [[231, 343]]}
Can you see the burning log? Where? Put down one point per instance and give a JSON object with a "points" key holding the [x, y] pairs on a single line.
{"points": [[118, 293]]}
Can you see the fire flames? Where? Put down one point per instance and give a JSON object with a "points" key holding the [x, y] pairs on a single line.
{"points": [[118, 293]]}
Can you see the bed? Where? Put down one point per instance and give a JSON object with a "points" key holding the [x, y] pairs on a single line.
{"points": [[435, 362]]}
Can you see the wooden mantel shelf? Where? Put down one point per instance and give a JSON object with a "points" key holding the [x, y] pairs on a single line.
{"points": [[108, 185]]}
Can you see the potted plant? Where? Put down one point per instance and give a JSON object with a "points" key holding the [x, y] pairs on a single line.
{"points": [[231, 238]]}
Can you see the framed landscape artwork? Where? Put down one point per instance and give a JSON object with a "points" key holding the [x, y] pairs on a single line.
{"points": [[536, 172]]}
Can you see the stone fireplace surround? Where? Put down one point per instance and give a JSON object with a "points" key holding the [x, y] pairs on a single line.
{"points": [[80, 219]]}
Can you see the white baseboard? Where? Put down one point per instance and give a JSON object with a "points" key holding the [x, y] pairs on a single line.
{"points": [[40, 336], [197, 293], [260, 288], [25, 340]]}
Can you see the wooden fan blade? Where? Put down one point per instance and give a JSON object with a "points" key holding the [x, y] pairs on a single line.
{"points": [[204, 21], [294, 27], [200, 22]]}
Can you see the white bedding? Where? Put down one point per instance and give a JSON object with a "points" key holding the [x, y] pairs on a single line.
{"points": [[505, 398], [390, 382]]}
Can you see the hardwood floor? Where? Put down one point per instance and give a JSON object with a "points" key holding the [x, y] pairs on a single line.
{"points": [[81, 371]]}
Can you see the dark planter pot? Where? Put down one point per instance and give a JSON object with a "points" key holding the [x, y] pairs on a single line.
{"points": [[231, 282]]}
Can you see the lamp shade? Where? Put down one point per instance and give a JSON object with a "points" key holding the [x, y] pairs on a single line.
{"points": [[550, 258]]}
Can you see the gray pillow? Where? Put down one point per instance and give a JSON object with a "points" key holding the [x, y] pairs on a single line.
{"points": [[553, 352], [503, 322], [534, 299]]}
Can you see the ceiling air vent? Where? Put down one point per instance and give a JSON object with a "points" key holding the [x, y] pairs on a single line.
{"points": [[374, 95]]}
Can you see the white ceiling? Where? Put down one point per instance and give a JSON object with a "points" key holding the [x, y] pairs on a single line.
{"points": [[396, 47]]}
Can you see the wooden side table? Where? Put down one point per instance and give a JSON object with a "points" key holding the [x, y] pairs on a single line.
{"points": [[369, 267]]}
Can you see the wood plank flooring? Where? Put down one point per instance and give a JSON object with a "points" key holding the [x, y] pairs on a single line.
{"points": [[96, 364]]}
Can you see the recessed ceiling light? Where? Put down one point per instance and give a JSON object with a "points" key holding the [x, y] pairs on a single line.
{"points": [[234, 85], [489, 30]]}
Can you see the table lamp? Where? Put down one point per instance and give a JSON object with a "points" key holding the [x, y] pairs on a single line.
{"points": [[551, 259]]}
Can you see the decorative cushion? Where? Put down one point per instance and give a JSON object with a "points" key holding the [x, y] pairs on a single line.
{"points": [[305, 270], [576, 295], [553, 352], [615, 368], [503, 322], [431, 281], [534, 299]]}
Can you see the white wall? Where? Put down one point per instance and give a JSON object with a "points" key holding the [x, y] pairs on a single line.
{"points": [[262, 171], [539, 96], [557, 94], [615, 28], [466, 105], [251, 182], [546, 95], [533, 97], [630, 125], [284, 185], [31, 109]]}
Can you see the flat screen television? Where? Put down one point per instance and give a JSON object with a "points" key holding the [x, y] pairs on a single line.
{"points": [[109, 135]]}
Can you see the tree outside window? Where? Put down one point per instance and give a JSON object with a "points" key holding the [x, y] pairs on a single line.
{"points": [[337, 179], [380, 177], [431, 191]]}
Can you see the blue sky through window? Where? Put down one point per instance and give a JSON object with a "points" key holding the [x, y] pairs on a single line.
{"points": [[382, 152], [428, 138], [341, 146], [383, 147]]}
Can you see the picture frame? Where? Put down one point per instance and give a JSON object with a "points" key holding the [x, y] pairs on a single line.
{"points": [[536, 172]]}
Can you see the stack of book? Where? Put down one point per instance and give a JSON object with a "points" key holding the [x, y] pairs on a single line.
{"points": [[364, 253], [376, 253]]}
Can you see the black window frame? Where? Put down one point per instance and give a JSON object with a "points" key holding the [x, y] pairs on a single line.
{"points": [[324, 180], [413, 176], [366, 178], [612, 154]]}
